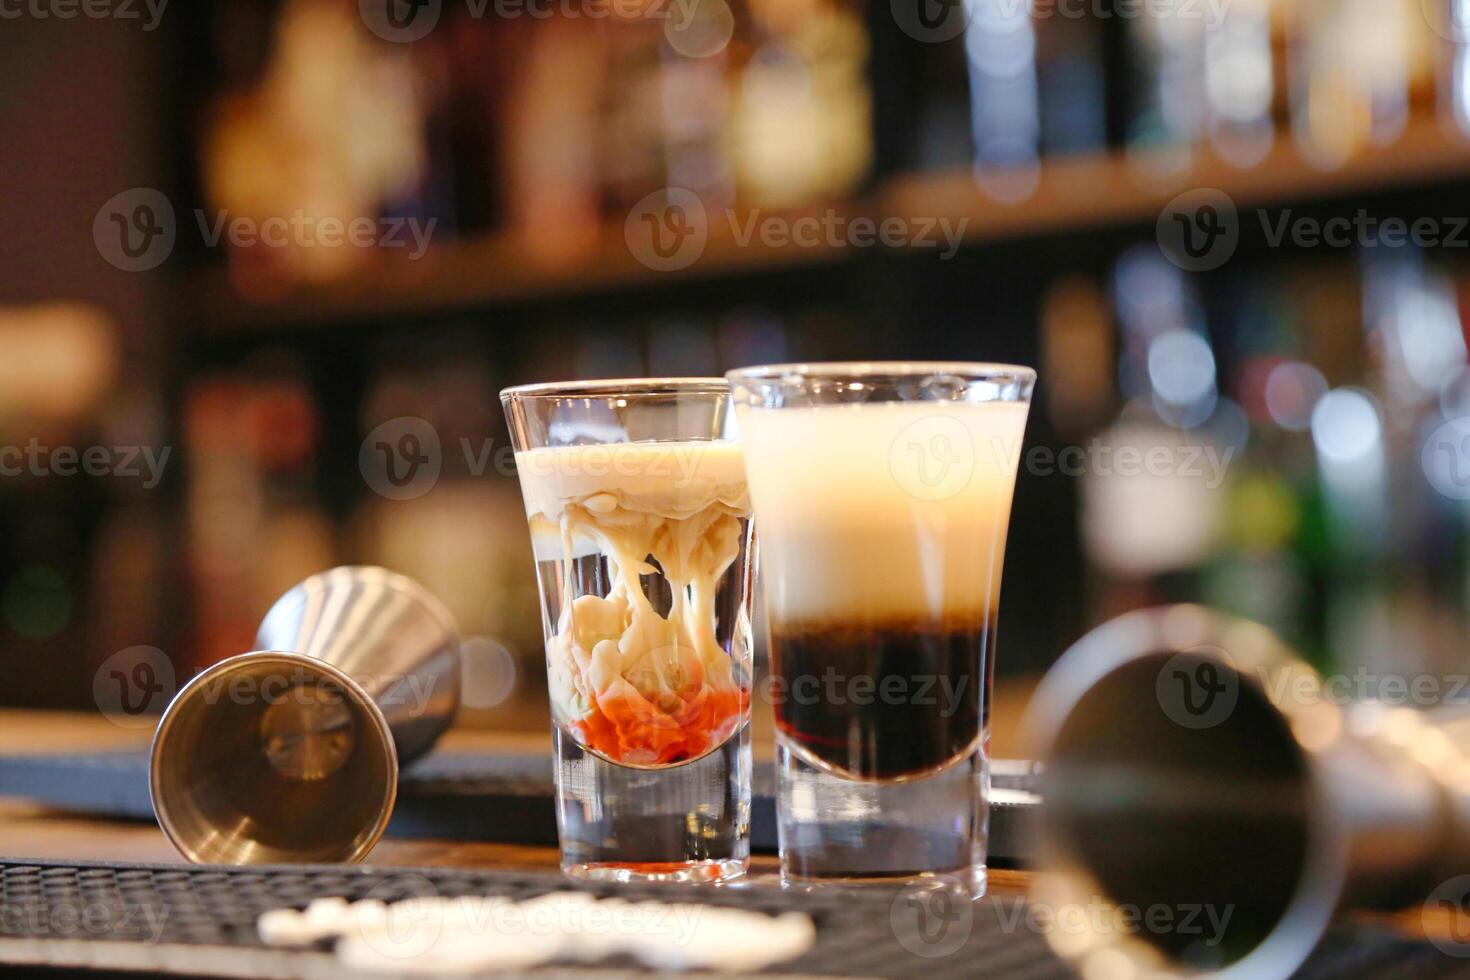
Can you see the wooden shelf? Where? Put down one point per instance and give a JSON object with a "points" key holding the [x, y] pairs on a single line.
{"points": [[1082, 193], [1073, 194], [501, 269]]}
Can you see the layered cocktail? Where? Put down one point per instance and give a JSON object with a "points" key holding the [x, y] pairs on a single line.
{"points": [[883, 493], [640, 519]]}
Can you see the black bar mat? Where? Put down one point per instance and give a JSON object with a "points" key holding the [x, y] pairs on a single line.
{"points": [[460, 796], [202, 921]]}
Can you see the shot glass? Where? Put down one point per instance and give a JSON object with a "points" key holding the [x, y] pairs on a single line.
{"points": [[883, 493], [640, 522]]}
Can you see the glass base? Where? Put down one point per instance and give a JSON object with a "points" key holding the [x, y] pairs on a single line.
{"points": [[836, 831], [970, 882], [684, 823], [686, 872]]}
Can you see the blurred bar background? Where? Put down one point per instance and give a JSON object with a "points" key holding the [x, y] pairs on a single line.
{"points": [[1302, 395]]}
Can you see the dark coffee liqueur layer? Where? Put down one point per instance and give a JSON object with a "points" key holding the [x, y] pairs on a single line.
{"points": [[880, 703]]}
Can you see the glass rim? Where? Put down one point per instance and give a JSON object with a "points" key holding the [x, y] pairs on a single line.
{"points": [[611, 387], [970, 370]]}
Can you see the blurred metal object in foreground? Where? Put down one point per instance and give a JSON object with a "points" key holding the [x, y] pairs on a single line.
{"points": [[291, 753], [1210, 804]]}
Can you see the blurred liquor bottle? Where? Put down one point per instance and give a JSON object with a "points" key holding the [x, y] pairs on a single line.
{"points": [[1416, 345], [921, 88], [1077, 399], [60, 364], [1005, 97], [1195, 72], [332, 130], [802, 130], [133, 586], [1151, 501], [481, 68], [1357, 66], [988, 84], [1167, 95], [1078, 358], [1036, 89], [1450, 21], [1385, 556], [631, 127], [1271, 550], [1240, 79], [1071, 78], [254, 524], [462, 533], [695, 77], [550, 154]]}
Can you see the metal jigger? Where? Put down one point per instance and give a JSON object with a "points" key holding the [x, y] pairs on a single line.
{"points": [[1195, 767], [291, 753]]}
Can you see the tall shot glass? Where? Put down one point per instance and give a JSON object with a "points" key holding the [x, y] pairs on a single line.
{"points": [[640, 522], [883, 493]]}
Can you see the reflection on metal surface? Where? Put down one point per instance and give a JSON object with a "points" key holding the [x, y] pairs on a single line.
{"points": [[291, 753], [1205, 789]]}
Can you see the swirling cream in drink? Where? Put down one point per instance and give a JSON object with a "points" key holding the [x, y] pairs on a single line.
{"points": [[645, 650]]}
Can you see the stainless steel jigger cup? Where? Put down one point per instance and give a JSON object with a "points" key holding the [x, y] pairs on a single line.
{"points": [[1218, 803], [291, 753]]}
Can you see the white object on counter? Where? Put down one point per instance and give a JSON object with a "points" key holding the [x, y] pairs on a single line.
{"points": [[447, 936]]}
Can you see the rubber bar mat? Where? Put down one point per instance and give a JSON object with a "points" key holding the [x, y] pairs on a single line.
{"points": [[456, 796], [201, 921]]}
